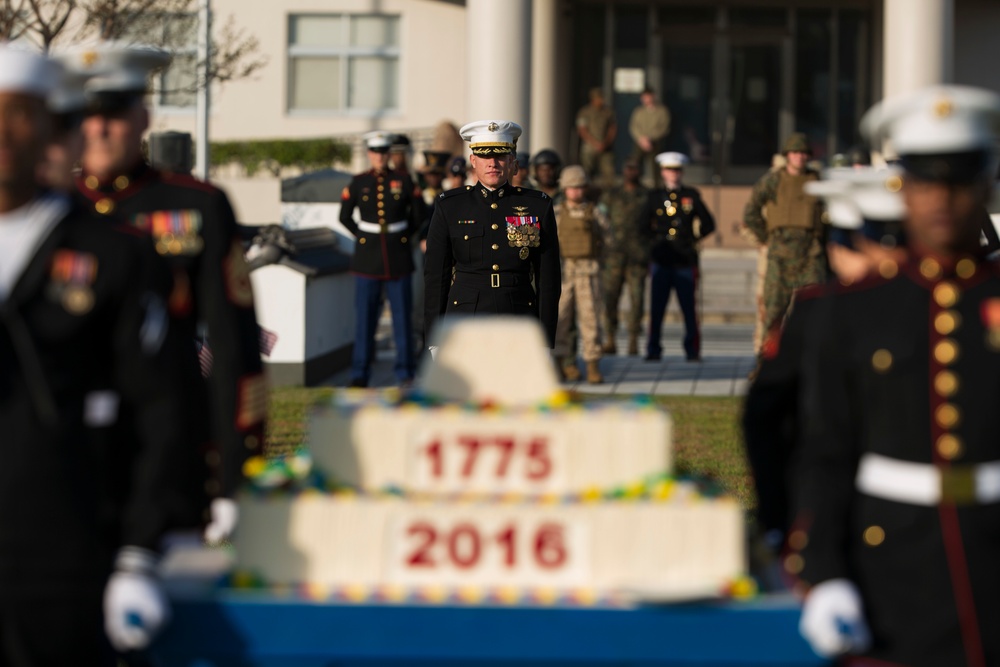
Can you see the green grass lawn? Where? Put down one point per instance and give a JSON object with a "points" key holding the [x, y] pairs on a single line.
{"points": [[707, 439]]}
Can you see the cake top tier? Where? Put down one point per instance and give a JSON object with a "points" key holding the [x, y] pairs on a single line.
{"points": [[501, 360]]}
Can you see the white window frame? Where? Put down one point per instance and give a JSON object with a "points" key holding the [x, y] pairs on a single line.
{"points": [[344, 53]]}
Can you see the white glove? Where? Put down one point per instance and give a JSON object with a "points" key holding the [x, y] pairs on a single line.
{"points": [[433, 349], [833, 620], [135, 608], [225, 514]]}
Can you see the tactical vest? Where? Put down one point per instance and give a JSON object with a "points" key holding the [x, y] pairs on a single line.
{"points": [[792, 207], [576, 231]]}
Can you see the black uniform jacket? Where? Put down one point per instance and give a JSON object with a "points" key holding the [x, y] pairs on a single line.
{"points": [[495, 243], [193, 227], [906, 368], [392, 210], [89, 313], [667, 224], [771, 411]]}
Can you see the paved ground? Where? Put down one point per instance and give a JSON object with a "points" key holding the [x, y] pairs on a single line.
{"points": [[727, 357]]}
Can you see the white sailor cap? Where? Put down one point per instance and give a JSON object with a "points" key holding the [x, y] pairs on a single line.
{"points": [[671, 160], [853, 195], [378, 141], [491, 137], [23, 70], [940, 133]]}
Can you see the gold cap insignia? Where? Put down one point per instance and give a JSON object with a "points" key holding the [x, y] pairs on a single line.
{"points": [[943, 108], [89, 58], [893, 184], [493, 127]]}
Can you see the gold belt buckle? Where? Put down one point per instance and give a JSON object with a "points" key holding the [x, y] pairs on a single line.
{"points": [[958, 485], [494, 280]]}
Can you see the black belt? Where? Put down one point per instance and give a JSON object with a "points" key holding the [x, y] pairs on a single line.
{"points": [[492, 279]]}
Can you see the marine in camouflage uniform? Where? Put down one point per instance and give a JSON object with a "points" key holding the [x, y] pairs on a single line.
{"points": [[626, 257], [792, 231]]}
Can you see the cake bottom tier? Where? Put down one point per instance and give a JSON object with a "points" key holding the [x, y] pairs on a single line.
{"points": [[665, 549]]}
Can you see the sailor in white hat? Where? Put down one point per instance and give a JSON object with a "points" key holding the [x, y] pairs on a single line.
{"points": [[499, 239], [898, 486]]}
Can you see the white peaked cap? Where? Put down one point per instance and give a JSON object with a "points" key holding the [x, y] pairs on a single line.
{"points": [[114, 67], [23, 70], [489, 137], [853, 195], [671, 160], [377, 139], [935, 120], [835, 191]]}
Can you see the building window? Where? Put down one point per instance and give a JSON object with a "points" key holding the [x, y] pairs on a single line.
{"points": [[343, 62]]}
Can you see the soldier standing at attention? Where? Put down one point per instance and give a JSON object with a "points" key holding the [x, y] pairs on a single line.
{"points": [[793, 232], [596, 125], [195, 230], [392, 210], [897, 486], [495, 238], [521, 178], [84, 335], [582, 227], [626, 257], [649, 126], [669, 228]]}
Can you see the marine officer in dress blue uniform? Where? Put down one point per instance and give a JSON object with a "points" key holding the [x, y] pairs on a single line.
{"points": [[391, 209], [668, 223], [896, 539], [492, 248]]}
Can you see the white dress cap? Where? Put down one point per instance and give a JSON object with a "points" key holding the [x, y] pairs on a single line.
{"points": [[877, 194], [671, 160], [26, 71], [935, 120], [377, 140], [834, 190], [114, 67], [491, 137]]}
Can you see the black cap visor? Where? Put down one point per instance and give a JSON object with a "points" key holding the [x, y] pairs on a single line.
{"points": [[953, 168]]}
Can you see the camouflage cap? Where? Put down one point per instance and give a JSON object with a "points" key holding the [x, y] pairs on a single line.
{"points": [[796, 142]]}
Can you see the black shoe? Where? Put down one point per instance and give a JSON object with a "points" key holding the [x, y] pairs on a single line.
{"points": [[358, 383], [654, 357]]}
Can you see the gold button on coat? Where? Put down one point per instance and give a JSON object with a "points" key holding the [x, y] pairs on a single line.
{"points": [[888, 269], [361, 240], [466, 237], [949, 447], [496, 267], [882, 361], [121, 182], [930, 269], [947, 415], [493, 206], [496, 247], [874, 536], [946, 351], [965, 268], [794, 564], [946, 295], [104, 206], [493, 226], [92, 182], [946, 383], [946, 322]]}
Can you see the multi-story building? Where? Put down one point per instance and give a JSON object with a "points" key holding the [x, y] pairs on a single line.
{"points": [[737, 75]]}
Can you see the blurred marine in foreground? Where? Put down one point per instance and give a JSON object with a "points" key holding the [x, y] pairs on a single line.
{"points": [[194, 230], [895, 540], [84, 331]]}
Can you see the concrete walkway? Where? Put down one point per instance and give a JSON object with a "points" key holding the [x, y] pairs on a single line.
{"points": [[727, 357]]}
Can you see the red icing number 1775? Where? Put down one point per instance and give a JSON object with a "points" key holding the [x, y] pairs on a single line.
{"points": [[528, 457]]}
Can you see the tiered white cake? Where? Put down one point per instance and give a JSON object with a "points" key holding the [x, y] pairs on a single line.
{"points": [[488, 479]]}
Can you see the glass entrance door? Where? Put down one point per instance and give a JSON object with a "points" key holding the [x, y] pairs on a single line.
{"points": [[726, 98]]}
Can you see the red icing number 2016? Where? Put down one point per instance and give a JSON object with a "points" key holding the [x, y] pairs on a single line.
{"points": [[464, 545], [537, 460]]}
